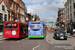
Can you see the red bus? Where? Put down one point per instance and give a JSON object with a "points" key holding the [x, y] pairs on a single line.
{"points": [[14, 29], [51, 29]]}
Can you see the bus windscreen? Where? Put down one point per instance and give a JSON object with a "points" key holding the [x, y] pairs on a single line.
{"points": [[36, 26], [11, 25]]}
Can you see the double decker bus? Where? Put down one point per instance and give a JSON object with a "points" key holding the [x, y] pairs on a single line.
{"points": [[36, 30], [52, 29], [14, 29]]}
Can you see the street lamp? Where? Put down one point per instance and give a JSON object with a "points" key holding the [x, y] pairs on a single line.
{"points": [[26, 18], [33, 19]]}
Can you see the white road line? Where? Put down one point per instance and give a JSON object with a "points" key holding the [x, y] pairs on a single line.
{"points": [[49, 41], [36, 46]]}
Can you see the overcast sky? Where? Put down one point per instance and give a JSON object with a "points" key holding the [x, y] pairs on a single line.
{"points": [[46, 9]]}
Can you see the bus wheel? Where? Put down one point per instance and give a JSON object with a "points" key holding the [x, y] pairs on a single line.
{"points": [[24, 35]]}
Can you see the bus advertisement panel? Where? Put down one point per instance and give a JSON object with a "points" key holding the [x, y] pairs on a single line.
{"points": [[14, 29], [35, 29]]}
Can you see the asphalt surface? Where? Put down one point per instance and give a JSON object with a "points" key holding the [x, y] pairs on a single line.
{"points": [[48, 43]]}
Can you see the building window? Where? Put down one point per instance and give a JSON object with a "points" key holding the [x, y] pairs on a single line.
{"points": [[10, 6], [70, 1], [14, 0], [1, 28], [5, 18], [74, 5], [16, 9], [71, 16], [70, 8], [68, 17], [17, 1], [1, 17], [66, 11], [74, 14], [3, 7]]}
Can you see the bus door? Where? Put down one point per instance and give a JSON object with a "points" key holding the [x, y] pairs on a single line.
{"points": [[11, 30]]}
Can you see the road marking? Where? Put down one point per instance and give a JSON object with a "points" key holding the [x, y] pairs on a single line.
{"points": [[49, 41], [16, 42], [26, 38], [22, 40], [1, 41], [36, 46], [70, 36]]}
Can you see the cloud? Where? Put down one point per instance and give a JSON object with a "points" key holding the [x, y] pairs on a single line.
{"points": [[47, 7], [33, 1]]}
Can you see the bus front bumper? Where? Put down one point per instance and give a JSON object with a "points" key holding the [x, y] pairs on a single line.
{"points": [[35, 36]]}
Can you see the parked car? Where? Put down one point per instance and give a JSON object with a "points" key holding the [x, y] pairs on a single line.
{"points": [[59, 33], [68, 30]]}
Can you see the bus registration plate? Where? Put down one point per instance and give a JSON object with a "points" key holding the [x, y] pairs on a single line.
{"points": [[35, 36]]}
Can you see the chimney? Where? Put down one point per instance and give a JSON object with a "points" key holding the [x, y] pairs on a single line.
{"points": [[30, 13]]}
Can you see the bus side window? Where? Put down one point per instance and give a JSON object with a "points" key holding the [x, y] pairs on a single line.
{"points": [[21, 28]]}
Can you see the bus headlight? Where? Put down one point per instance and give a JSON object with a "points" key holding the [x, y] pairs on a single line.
{"points": [[13, 32]]}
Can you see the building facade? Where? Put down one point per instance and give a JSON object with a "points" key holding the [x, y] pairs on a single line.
{"points": [[3, 15], [29, 18], [61, 17], [36, 18], [16, 10], [70, 14], [57, 22]]}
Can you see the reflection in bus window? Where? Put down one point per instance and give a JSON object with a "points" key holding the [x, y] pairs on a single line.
{"points": [[11, 25]]}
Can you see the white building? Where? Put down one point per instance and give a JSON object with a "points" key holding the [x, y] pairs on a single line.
{"points": [[70, 13], [22, 11], [3, 15]]}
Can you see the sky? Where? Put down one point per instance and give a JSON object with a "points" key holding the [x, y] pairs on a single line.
{"points": [[47, 10]]}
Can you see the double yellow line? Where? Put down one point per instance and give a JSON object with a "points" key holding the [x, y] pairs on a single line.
{"points": [[71, 36], [1, 41]]}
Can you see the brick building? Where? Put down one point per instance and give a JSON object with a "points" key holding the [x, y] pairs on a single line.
{"points": [[29, 16], [36, 18], [16, 10], [61, 17]]}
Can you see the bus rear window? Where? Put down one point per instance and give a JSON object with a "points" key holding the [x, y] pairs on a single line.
{"points": [[11, 25]]}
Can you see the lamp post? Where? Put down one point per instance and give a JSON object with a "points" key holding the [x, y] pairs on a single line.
{"points": [[26, 19]]}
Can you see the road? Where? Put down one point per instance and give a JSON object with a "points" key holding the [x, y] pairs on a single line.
{"points": [[49, 43]]}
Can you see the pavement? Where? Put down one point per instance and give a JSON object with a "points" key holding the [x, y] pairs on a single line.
{"points": [[71, 35], [1, 37]]}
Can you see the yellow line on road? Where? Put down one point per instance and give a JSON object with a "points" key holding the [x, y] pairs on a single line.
{"points": [[22, 40], [26, 38], [15, 42], [1, 41], [70, 36]]}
